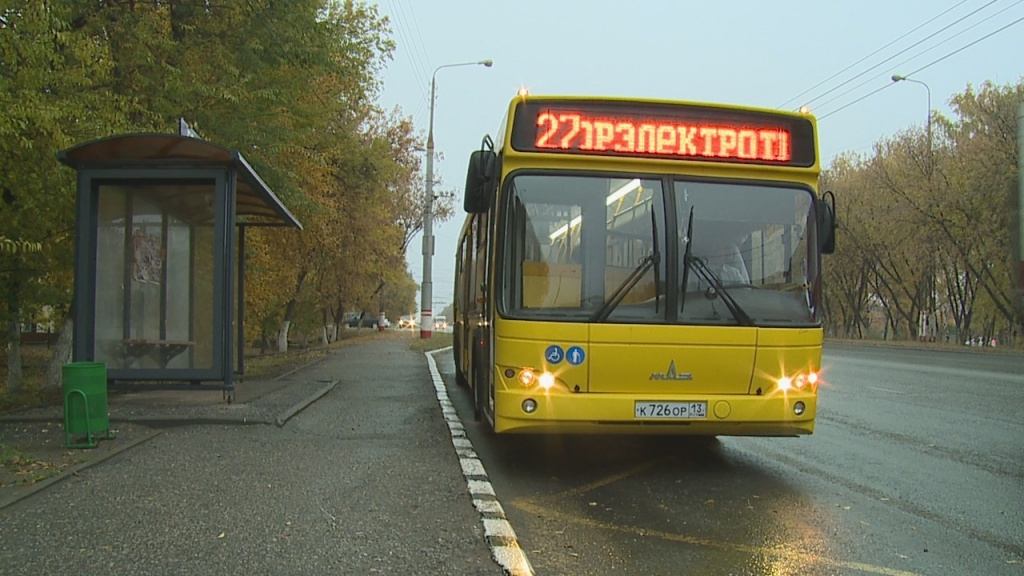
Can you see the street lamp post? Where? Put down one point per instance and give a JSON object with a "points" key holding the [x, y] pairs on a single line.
{"points": [[928, 124], [931, 163], [427, 287]]}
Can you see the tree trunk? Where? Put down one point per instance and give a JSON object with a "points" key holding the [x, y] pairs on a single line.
{"points": [[14, 376], [14, 379], [289, 313], [339, 319], [282, 336], [61, 356]]}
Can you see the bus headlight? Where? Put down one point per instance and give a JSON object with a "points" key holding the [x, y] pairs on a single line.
{"points": [[528, 377], [547, 380], [801, 381]]}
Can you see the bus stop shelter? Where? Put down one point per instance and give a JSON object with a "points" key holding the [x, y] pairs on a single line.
{"points": [[160, 258]]}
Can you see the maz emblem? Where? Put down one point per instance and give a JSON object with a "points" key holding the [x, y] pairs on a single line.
{"points": [[671, 374]]}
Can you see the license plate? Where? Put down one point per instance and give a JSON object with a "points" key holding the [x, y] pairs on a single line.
{"points": [[670, 410]]}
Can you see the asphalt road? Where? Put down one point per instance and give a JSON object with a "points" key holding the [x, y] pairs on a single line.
{"points": [[915, 468]]}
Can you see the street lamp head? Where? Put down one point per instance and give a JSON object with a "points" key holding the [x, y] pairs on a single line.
{"points": [[487, 62], [898, 77]]}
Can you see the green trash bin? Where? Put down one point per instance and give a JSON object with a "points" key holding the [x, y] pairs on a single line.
{"points": [[85, 403]]}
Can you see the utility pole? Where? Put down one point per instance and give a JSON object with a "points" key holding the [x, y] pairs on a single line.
{"points": [[427, 287], [931, 324]]}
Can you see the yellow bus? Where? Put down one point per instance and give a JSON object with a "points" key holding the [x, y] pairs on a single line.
{"points": [[643, 266]]}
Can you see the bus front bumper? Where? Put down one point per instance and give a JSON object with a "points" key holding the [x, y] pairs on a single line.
{"points": [[535, 411]]}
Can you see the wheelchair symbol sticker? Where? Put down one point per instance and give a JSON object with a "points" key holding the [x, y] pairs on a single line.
{"points": [[554, 354], [575, 355]]}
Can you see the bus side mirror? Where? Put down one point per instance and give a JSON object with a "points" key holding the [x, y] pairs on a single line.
{"points": [[827, 222], [481, 179]]}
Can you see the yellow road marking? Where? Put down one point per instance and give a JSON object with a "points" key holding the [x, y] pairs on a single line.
{"points": [[534, 506], [580, 490], [547, 510]]}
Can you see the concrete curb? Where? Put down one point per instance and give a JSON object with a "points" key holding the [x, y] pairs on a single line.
{"points": [[498, 532], [170, 421], [289, 413], [73, 470], [155, 421], [27, 419]]}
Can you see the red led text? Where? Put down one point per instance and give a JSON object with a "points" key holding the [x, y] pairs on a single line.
{"points": [[577, 131]]}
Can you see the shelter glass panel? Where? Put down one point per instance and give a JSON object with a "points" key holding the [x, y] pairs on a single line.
{"points": [[155, 274]]}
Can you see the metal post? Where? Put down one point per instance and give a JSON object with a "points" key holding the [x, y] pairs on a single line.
{"points": [[1019, 273], [427, 287], [426, 297], [931, 320]]}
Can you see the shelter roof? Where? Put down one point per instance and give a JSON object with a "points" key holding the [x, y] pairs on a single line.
{"points": [[255, 204]]}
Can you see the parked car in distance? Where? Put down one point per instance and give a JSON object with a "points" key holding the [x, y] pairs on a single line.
{"points": [[366, 320]]}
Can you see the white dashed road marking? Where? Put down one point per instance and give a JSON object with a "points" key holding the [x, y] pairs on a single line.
{"points": [[499, 533]]}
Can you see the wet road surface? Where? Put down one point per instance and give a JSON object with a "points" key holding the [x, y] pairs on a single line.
{"points": [[915, 467]]}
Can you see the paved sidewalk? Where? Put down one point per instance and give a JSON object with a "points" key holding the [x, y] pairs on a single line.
{"points": [[366, 481], [138, 416]]}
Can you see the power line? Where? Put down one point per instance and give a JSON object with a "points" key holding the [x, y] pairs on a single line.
{"points": [[416, 27], [1017, 21], [418, 59], [410, 48], [932, 63], [426, 91], [919, 54], [872, 54], [416, 51], [872, 93], [915, 44]]}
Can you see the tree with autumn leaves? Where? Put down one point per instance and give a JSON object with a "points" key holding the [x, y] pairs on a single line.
{"points": [[292, 85], [924, 246], [924, 227]]}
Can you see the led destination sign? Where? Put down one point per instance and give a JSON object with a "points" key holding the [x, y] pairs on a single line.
{"points": [[681, 132], [577, 131]]}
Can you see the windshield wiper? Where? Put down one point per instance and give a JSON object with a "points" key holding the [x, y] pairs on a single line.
{"points": [[657, 278], [698, 265], [702, 269], [619, 294], [687, 257]]}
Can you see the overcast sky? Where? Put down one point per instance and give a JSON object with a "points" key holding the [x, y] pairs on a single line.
{"points": [[836, 56]]}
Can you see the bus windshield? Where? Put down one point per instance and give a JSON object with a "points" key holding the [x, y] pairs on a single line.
{"points": [[586, 248]]}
